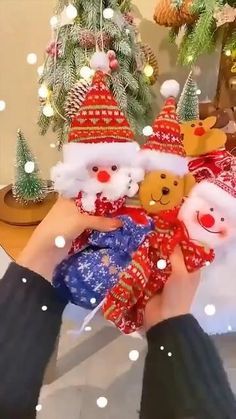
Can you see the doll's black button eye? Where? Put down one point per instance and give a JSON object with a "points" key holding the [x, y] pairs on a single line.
{"points": [[175, 183], [193, 125], [211, 209], [200, 124], [114, 168], [95, 169], [163, 176], [222, 219]]}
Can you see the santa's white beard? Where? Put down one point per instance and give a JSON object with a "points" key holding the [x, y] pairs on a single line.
{"points": [[218, 288]]}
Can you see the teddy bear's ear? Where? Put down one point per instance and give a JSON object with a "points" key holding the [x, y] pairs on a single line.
{"points": [[189, 183], [210, 122]]}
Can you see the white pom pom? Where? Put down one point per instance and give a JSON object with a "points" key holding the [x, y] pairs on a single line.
{"points": [[100, 61], [170, 88]]}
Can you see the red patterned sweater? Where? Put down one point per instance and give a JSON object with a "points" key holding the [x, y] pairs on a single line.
{"points": [[210, 165], [126, 301]]}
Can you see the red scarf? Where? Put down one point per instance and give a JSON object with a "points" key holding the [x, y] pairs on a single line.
{"points": [[125, 302], [210, 165]]}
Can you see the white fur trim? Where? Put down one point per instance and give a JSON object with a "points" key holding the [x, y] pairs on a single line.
{"points": [[101, 153], [217, 196], [170, 88], [156, 160]]}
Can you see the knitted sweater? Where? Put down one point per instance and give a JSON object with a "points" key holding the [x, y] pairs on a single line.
{"points": [[190, 384]]}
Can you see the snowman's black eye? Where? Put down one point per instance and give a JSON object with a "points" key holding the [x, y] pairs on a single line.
{"points": [[175, 183], [95, 169], [211, 209], [193, 125], [114, 168], [222, 219]]}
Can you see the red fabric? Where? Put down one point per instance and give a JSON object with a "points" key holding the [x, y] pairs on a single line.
{"points": [[167, 137], [103, 208], [210, 165], [99, 118], [125, 302]]}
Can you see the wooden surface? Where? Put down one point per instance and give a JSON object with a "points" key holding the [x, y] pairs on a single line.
{"points": [[14, 238]]}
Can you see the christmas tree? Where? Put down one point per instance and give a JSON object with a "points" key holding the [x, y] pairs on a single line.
{"points": [[200, 24], [28, 186], [188, 106], [81, 28]]}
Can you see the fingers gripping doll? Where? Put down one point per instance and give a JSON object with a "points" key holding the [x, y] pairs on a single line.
{"points": [[165, 185], [98, 168], [204, 144]]}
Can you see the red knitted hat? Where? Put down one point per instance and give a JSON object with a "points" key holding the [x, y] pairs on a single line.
{"points": [[100, 131], [164, 149]]}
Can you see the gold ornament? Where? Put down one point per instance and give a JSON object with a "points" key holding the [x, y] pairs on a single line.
{"points": [[151, 67], [169, 14], [232, 83], [233, 69], [225, 14]]}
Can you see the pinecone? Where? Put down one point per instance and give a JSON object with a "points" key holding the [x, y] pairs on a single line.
{"points": [[129, 18], [106, 38], [168, 14], [150, 58], [87, 39], [76, 97]]}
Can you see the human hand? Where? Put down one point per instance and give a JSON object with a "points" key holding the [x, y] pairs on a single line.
{"points": [[41, 254], [177, 296]]}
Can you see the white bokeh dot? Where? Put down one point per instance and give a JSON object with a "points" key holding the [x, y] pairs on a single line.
{"points": [[24, 280], [60, 242], [134, 355], [44, 308], [102, 402], [53, 145], [108, 13], [198, 91], [54, 21], [230, 328], [161, 264], [32, 58], [71, 11], [93, 300], [208, 263], [38, 407], [162, 348], [147, 131], [40, 70], [210, 310], [29, 167], [48, 110], [86, 72], [2, 105], [169, 354], [88, 328]]}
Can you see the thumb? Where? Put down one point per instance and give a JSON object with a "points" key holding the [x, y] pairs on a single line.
{"points": [[103, 224]]}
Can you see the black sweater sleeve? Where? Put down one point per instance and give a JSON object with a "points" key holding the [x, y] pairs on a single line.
{"points": [[183, 375], [30, 321]]}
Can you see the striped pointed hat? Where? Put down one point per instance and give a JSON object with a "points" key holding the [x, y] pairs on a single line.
{"points": [[164, 149], [100, 131]]}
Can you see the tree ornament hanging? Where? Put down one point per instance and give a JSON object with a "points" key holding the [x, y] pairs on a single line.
{"points": [[76, 97], [174, 13], [224, 14], [149, 58], [54, 49], [86, 39]]}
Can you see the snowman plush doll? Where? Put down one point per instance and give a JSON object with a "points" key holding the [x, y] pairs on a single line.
{"points": [[99, 167]]}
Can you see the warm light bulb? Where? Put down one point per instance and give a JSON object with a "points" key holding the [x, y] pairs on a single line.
{"points": [[31, 58], [210, 310], [43, 91], [40, 70], [71, 11], [228, 52], [108, 13], [134, 355], [147, 131], [148, 70], [86, 72], [29, 167], [48, 110], [2, 105], [198, 91], [102, 402], [54, 21]]}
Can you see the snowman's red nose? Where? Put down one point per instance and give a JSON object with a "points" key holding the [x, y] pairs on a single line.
{"points": [[103, 176], [207, 220]]}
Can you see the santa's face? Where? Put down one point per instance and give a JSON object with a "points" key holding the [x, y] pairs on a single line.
{"points": [[206, 223]]}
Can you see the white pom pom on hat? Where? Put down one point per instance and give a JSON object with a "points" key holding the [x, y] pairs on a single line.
{"points": [[100, 61], [170, 88]]}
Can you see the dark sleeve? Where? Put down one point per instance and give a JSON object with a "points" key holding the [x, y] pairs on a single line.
{"points": [[183, 375], [30, 321]]}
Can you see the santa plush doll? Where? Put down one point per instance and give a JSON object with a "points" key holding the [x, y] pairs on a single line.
{"points": [[98, 167]]}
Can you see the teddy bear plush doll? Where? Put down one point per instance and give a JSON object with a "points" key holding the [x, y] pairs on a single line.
{"points": [[98, 168], [166, 184]]}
